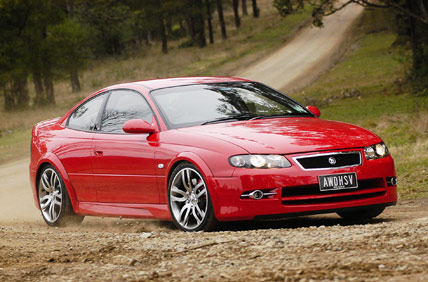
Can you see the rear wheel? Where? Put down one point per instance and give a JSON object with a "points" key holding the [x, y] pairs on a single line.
{"points": [[189, 199], [363, 214], [54, 202]]}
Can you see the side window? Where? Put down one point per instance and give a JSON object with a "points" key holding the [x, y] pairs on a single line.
{"points": [[124, 105], [85, 117]]}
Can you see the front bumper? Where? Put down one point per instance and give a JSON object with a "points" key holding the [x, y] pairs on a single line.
{"points": [[297, 191]]}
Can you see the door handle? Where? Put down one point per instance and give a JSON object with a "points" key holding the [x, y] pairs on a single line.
{"points": [[98, 153]]}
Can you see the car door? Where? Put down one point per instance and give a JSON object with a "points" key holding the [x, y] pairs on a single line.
{"points": [[75, 150], [123, 164]]}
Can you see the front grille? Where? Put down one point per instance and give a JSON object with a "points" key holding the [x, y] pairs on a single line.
{"points": [[311, 194], [329, 161]]}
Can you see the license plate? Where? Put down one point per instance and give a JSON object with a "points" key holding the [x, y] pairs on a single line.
{"points": [[338, 181]]}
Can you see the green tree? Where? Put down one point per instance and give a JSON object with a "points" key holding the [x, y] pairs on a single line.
{"points": [[13, 55], [70, 39], [109, 23], [41, 55]]}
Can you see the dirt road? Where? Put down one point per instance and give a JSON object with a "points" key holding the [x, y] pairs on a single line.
{"points": [[393, 247], [307, 55]]}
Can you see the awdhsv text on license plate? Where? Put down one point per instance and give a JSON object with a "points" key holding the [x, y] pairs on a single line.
{"points": [[338, 181]]}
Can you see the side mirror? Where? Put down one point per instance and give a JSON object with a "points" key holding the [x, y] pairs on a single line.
{"points": [[138, 126], [314, 110]]}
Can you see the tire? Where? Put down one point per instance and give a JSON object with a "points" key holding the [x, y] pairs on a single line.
{"points": [[54, 201], [363, 214], [189, 200]]}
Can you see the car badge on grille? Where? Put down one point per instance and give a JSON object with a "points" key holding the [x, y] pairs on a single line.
{"points": [[332, 160]]}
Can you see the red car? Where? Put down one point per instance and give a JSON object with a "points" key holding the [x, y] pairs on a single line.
{"points": [[199, 150]]}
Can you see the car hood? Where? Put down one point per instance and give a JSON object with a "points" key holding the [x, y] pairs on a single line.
{"points": [[288, 135]]}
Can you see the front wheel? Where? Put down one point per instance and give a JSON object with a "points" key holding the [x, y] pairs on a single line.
{"points": [[54, 202], [363, 214], [189, 199]]}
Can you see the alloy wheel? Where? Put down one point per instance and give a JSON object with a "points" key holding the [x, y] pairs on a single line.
{"points": [[50, 195], [189, 199]]}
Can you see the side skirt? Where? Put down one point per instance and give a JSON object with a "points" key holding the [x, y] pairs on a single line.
{"points": [[158, 211]]}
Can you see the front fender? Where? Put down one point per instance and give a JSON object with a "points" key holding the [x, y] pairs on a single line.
{"points": [[194, 159], [203, 169], [190, 157]]}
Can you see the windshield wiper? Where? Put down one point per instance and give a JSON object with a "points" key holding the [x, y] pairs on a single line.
{"points": [[231, 118], [279, 116]]}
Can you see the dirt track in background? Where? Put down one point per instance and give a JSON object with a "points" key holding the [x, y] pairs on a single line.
{"points": [[307, 55], [393, 247]]}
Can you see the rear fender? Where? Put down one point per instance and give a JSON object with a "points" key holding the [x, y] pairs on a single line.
{"points": [[55, 162]]}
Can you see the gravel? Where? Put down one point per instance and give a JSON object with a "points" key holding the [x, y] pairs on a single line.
{"points": [[393, 247]]}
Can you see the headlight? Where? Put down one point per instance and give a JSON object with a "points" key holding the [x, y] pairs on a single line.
{"points": [[259, 161], [376, 151]]}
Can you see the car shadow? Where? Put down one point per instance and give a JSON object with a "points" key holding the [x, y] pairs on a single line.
{"points": [[296, 222]]}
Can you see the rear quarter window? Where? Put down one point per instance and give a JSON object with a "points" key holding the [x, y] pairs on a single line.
{"points": [[86, 116]]}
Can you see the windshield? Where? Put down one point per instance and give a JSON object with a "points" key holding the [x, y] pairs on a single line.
{"points": [[191, 105]]}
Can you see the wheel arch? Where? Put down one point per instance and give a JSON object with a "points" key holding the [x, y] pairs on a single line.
{"points": [[199, 163], [51, 159], [192, 158]]}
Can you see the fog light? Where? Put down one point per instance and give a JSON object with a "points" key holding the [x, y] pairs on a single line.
{"points": [[256, 195], [259, 194]]}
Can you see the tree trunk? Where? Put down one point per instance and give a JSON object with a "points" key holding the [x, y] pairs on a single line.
{"points": [[200, 24], [290, 6], [256, 10], [148, 38], [49, 88], [419, 42], [191, 29], [163, 36], [9, 99], [244, 8], [236, 13], [221, 18], [38, 86], [209, 20], [75, 82], [168, 26], [300, 4], [21, 92], [182, 28]]}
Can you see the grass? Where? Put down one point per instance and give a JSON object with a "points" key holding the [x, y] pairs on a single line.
{"points": [[374, 70], [255, 39]]}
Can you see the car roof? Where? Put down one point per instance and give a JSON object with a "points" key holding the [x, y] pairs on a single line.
{"points": [[178, 81]]}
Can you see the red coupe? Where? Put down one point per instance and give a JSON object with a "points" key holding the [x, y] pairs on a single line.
{"points": [[199, 150]]}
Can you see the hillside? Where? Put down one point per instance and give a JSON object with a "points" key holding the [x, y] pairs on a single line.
{"points": [[255, 39]]}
